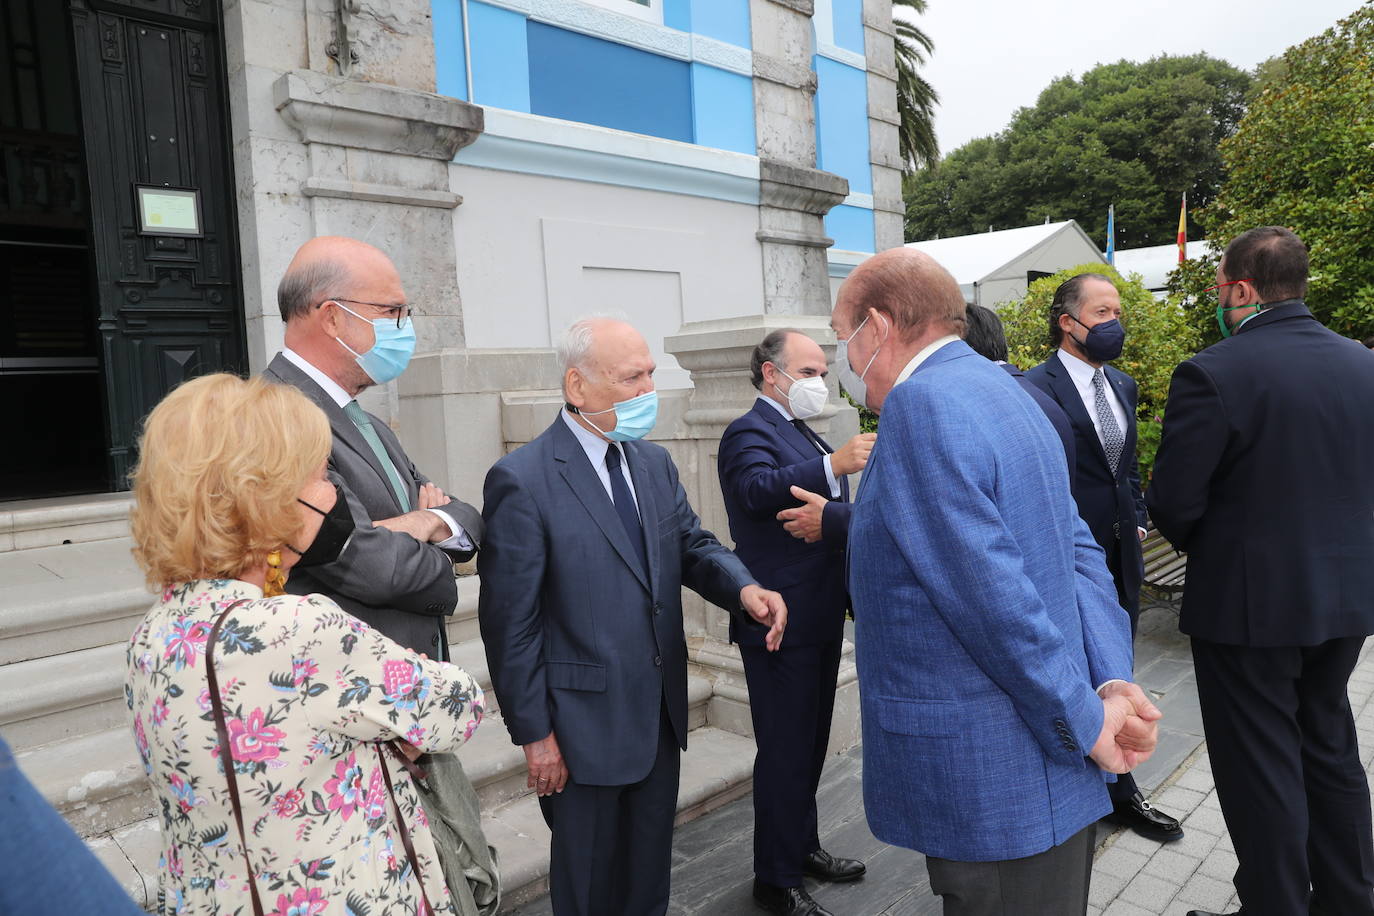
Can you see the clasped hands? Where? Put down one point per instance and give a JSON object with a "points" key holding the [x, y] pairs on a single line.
{"points": [[1130, 728], [420, 523]]}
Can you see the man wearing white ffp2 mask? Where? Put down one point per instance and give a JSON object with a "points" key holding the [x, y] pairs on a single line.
{"points": [[768, 459]]}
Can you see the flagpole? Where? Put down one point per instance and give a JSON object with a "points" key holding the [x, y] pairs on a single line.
{"points": [[1111, 234]]}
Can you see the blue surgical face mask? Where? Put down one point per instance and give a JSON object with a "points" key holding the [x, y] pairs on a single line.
{"points": [[392, 347], [633, 418]]}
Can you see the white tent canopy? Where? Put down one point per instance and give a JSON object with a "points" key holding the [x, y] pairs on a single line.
{"points": [[1154, 264], [995, 267]]}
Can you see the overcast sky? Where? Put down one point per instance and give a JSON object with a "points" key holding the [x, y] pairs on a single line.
{"points": [[994, 56]]}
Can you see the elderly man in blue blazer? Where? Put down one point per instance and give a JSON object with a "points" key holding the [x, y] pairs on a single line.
{"points": [[764, 456], [993, 656], [590, 541]]}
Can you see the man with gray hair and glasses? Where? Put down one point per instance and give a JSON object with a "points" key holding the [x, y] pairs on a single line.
{"points": [[590, 539]]}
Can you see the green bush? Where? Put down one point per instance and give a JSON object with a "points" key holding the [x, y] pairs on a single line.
{"points": [[1158, 338]]}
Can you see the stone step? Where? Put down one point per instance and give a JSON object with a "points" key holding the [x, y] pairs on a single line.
{"points": [[29, 523], [66, 597], [716, 769], [60, 697], [462, 626]]}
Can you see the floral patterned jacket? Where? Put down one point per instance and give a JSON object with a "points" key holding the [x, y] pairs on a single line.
{"points": [[307, 689]]}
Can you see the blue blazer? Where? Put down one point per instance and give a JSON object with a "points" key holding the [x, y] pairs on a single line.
{"points": [[1111, 504], [1265, 476], [762, 455], [1053, 412], [580, 638], [984, 620]]}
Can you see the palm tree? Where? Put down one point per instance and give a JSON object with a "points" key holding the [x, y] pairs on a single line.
{"points": [[916, 98]]}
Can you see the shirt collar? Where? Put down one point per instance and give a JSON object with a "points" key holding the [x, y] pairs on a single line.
{"points": [[776, 406], [921, 357], [1079, 371], [592, 444], [331, 387]]}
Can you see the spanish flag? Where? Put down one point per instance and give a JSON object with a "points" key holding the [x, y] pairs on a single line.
{"points": [[1183, 230]]}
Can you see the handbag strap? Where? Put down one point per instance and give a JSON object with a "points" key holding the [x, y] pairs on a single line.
{"points": [[226, 754], [401, 825]]}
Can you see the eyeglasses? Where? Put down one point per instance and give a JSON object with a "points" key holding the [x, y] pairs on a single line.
{"points": [[1212, 289], [399, 312]]}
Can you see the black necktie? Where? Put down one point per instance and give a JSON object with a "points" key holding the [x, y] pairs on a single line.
{"points": [[625, 504], [811, 437]]}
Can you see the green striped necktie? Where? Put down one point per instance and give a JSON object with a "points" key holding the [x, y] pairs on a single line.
{"points": [[360, 420]]}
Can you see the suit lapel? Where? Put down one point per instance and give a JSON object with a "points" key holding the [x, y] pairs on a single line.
{"points": [[586, 486], [343, 429], [1066, 393], [786, 431], [649, 510]]}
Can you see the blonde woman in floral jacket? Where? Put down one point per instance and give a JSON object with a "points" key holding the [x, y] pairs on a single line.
{"points": [[230, 493]]}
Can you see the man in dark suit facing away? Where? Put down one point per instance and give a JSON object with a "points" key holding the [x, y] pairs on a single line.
{"points": [[985, 336], [590, 539], [1265, 477], [1085, 327], [764, 455]]}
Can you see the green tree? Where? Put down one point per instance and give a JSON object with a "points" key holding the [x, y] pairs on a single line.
{"points": [[1158, 338], [916, 98], [1303, 157], [1136, 135]]}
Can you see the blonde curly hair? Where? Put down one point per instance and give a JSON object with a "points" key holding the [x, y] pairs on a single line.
{"points": [[221, 461]]}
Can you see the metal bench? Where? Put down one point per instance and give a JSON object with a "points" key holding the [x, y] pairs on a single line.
{"points": [[1165, 569]]}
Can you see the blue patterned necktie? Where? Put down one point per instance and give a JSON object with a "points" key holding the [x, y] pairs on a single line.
{"points": [[625, 504], [1113, 442]]}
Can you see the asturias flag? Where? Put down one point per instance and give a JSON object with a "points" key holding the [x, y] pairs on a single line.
{"points": [[1183, 230]]}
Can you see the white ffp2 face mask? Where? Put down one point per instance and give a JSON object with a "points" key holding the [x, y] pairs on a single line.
{"points": [[851, 381], [807, 396]]}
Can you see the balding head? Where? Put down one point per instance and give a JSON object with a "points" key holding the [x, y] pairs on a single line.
{"points": [[358, 283], [900, 300], [605, 361]]}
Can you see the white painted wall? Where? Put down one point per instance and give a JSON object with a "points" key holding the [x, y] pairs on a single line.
{"points": [[535, 253]]}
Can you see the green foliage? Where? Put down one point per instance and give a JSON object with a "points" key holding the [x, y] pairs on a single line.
{"points": [[1158, 338], [916, 98], [1136, 135], [1303, 157]]}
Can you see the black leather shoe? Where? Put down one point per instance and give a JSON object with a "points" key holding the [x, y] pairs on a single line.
{"points": [[1146, 820], [787, 901], [821, 864]]}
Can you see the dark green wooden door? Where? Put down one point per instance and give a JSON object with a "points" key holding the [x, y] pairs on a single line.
{"points": [[154, 115]]}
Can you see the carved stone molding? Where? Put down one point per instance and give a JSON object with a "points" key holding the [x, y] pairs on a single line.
{"points": [[791, 187], [375, 116]]}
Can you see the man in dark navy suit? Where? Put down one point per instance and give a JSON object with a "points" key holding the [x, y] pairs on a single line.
{"points": [[1085, 327], [1265, 477], [764, 456], [984, 334]]}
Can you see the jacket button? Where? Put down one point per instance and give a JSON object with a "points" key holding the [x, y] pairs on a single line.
{"points": [[658, 607], [434, 640], [658, 661]]}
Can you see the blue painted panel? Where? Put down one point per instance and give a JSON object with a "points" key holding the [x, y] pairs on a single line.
{"points": [[723, 20], [580, 78], [723, 107], [677, 14], [842, 123], [450, 69], [849, 24], [850, 227], [500, 57]]}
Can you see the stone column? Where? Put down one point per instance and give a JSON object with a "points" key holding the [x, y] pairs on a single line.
{"points": [[717, 353], [793, 195], [889, 210]]}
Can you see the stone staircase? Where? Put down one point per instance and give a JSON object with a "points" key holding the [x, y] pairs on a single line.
{"points": [[70, 595]]}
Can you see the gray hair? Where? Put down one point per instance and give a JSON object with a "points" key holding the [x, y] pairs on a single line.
{"points": [[304, 286], [769, 350], [575, 344]]}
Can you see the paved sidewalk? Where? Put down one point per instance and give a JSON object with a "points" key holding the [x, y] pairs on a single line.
{"points": [[712, 856]]}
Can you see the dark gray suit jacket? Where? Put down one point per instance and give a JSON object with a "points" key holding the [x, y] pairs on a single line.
{"points": [[397, 584], [581, 639]]}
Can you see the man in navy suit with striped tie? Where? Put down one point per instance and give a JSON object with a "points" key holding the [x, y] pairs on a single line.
{"points": [[765, 457]]}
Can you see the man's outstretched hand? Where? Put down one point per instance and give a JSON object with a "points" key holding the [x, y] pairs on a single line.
{"points": [[804, 522], [767, 608], [1130, 728]]}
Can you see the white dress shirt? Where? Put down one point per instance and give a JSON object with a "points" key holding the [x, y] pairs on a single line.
{"points": [[458, 539], [921, 357], [596, 449], [1082, 375], [829, 471]]}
